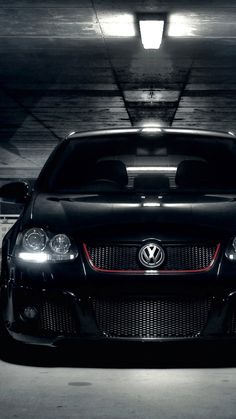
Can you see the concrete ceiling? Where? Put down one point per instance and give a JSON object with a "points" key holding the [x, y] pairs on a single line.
{"points": [[70, 65]]}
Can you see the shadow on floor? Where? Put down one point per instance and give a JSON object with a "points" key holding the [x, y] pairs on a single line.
{"points": [[197, 355]]}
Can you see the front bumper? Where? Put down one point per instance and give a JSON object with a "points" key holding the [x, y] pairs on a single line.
{"points": [[53, 317]]}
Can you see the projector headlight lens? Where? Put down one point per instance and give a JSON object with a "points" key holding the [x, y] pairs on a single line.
{"points": [[34, 240], [60, 244]]}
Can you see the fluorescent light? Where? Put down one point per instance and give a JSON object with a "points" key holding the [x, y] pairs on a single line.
{"points": [[151, 204], [150, 124], [118, 25], [151, 33], [182, 25], [151, 129], [152, 169]]}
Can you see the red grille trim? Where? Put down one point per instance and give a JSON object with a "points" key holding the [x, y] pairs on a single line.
{"points": [[146, 271]]}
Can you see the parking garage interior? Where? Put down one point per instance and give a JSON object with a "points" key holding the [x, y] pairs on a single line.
{"points": [[78, 65]]}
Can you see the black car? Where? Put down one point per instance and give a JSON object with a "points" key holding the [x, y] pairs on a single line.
{"points": [[127, 235]]}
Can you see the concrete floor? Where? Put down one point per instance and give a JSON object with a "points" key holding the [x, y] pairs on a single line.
{"points": [[46, 385]]}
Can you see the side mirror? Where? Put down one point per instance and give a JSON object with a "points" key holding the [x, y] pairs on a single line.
{"points": [[15, 192]]}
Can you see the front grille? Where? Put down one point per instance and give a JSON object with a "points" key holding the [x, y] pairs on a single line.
{"points": [[177, 257], [151, 318], [56, 318]]}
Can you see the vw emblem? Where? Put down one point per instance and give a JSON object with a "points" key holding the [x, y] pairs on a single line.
{"points": [[151, 255]]}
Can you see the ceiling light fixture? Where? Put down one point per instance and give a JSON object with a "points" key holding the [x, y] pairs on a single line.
{"points": [[152, 30], [151, 169]]}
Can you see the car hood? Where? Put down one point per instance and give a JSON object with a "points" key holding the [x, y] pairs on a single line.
{"points": [[105, 214]]}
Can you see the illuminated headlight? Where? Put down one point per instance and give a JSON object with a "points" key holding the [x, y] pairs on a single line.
{"points": [[231, 250], [37, 246]]}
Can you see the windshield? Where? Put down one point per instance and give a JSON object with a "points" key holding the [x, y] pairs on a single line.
{"points": [[141, 163]]}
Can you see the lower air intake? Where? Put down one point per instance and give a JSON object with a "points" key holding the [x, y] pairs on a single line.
{"points": [[151, 318], [56, 318]]}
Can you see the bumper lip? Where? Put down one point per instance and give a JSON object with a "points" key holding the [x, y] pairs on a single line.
{"points": [[56, 342]]}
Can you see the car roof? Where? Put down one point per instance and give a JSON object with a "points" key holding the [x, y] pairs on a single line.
{"points": [[149, 130]]}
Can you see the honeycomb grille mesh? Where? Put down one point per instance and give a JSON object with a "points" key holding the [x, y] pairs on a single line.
{"points": [[56, 318], [151, 318], [178, 257]]}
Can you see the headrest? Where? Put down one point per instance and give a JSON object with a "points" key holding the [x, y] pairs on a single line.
{"points": [[193, 173], [152, 183], [113, 170]]}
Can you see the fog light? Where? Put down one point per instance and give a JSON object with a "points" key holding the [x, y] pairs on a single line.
{"points": [[30, 313]]}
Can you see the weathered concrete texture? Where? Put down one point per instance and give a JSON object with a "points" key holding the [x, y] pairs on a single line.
{"points": [[116, 393]]}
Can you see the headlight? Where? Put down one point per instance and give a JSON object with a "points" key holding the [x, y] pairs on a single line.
{"points": [[36, 245], [231, 250], [60, 244], [34, 240]]}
